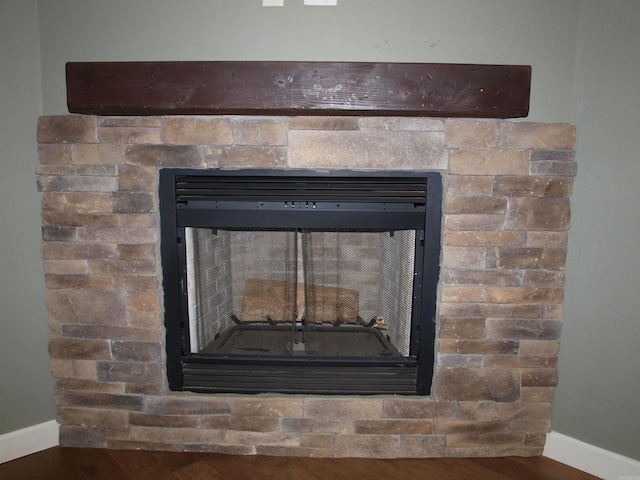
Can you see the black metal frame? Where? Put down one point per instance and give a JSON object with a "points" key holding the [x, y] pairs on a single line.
{"points": [[300, 199]]}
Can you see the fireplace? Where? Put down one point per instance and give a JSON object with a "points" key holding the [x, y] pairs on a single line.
{"points": [[498, 313], [300, 281]]}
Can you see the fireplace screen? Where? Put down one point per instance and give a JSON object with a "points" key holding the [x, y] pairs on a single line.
{"points": [[293, 282]]}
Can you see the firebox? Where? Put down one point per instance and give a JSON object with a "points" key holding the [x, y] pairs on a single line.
{"points": [[300, 281]]}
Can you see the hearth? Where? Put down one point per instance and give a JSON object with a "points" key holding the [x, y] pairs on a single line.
{"points": [[300, 281]]}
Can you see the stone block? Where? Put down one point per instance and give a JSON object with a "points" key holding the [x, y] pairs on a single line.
{"points": [[135, 284], [480, 238], [87, 307], [196, 131], [484, 440], [355, 408], [411, 124], [137, 252], [417, 446], [457, 426], [79, 220], [246, 157], [164, 421], [539, 348], [122, 267], [314, 425], [553, 155], [547, 239], [130, 372], [241, 423], [488, 162], [164, 155], [92, 282], [524, 295], [77, 202], [367, 446], [539, 377], [478, 346], [267, 407], [464, 257], [367, 149], [117, 235], [133, 202], [538, 214], [409, 408], [138, 220], [537, 394], [471, 134], [495, 411], [541, 136], [393, 427], [67, 129], [128, 121], [82, 436], [543, 278], [217, 448], [292, 451], [523, 328], [64, 183], [514, 257], [253, 131], [567, 169], [75, 369], [452, 327], [98, 154], [469, 185], [71, 251], [473, 222], [323, 123], [55, 154], [126, 135], [533, 186], [143, 302], [234, 437], [186, 404], [65, 267], [476, 205], [482, 277], [93, 417], [135, 351], [137, 178], [464, 384], [59, 234], [492, 310], [170, 436], [114, 334], [112, 401], [455, 360], [465, 294]]}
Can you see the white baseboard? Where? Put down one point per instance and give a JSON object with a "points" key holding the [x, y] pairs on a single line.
{"points": [[28, 440], [591, 459]]}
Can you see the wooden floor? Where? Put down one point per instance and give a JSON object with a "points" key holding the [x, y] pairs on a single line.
{"points": [[77, 463]]}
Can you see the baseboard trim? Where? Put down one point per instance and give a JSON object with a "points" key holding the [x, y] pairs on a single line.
{"points": [[591, 459], [28, 440]]}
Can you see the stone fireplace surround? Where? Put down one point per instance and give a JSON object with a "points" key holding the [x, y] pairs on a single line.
{"points": [[506, 218]]}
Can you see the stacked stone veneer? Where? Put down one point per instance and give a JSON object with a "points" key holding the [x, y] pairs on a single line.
{"points": [[500, 301]]}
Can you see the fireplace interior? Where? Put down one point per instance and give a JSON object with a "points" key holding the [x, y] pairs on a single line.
{"points": [[300, 281]]}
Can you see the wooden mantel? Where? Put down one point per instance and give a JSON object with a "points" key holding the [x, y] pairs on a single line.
{"points": [[298, 88]]}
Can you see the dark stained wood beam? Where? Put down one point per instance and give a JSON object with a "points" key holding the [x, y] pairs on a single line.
{"points": [[298, 88]]}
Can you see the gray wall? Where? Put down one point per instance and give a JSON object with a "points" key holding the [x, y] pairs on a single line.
{"points": [[585, 64], [26, 387], [599, 392]]}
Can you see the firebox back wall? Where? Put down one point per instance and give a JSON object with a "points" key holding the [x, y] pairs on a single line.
{"points": [[500, 302]]}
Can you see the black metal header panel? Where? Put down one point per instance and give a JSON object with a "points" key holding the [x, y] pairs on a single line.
{"points": [[301, 189]]}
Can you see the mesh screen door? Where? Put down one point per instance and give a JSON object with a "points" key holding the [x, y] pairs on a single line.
{"points": [[300, 293]]}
